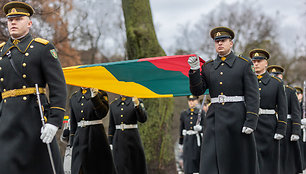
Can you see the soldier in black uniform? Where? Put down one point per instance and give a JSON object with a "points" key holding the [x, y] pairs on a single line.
{"points": [[228, 143], [190, 136], [124, 137], [24, 62], [299, 92], [290, 150], [91, 153], [270, 128]]}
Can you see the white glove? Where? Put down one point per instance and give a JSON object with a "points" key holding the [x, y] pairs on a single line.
{"points": [[194, 62], [111, 146], [303, 121], [294, 137], [48, 132], [184, 132], [278, 136], [180, 147], [197, 128], [247, 130], [94, 92], [136, 101]]}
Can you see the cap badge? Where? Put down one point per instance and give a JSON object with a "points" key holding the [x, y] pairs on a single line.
{"points": [[218, 34], [256, 54], [13, 10], [273, 70]]}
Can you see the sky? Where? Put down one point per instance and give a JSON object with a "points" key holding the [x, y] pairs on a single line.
{"points": [[170, 15]]}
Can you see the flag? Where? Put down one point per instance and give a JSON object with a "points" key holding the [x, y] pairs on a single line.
{"points": [[66, 118], [154, 77]]}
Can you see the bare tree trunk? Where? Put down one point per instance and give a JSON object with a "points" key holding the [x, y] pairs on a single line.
{"points": [[141, 43]]}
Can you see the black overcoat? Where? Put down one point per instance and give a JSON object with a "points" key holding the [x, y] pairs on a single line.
{"points": [[128, 151], [272, 96], [225, 148], [91, 149], [22, 151]]}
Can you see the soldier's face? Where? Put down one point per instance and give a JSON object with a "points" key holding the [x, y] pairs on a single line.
{"points": [[223, 46], [191, 103], [19, 26], [260, 65], [300, 97]]}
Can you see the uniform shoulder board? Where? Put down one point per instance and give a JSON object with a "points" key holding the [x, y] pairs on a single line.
{"points": [[244, 58], [277, 78], [42, 41], [290, 87], [207, 62], [2, 44]]}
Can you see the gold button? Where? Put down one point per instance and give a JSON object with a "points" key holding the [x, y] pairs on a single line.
{"points": [[2, 79], [191, 118], [122, 103], [121, 122], [222, 93], [121, 109], [31, 46], [26, 54], [24, 98], [190, 127], [82, 104], [222, 64], [191, 122], [82, 111], [24, 64], [121, 116], [0, 58], [221, 73], [24, 87], [223, 103], [82, 97], [4, 90], [191, 113], [83, 118], [24, 76], [221, 83], [259, 89], [4, 100], [0, 68]]}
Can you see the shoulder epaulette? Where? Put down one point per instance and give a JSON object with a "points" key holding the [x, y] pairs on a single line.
{"points": [[2, 44], [243, 58], [277, 79], [290, 87], [42, 41], [208, 61]]}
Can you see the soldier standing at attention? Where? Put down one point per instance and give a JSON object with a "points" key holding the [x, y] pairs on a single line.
{"points": [[190, 136], [91, 153], [270, 128], [290, 149], [228, 143], [124, 137], [24, 62]]}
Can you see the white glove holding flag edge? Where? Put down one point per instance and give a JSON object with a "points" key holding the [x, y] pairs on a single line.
{"points": [[194, 62]]}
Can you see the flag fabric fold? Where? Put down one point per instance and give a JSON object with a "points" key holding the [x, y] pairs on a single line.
{"points": [[155, 77]]}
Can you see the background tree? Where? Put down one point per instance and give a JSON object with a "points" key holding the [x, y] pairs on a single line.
{"points": [[142, 42]]}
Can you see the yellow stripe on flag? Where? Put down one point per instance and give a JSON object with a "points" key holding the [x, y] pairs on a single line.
{"points": [[99, 77]]}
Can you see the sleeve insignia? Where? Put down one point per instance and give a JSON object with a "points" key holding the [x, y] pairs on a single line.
{"points": [[105, 98], [253, 68], [53, 53]]}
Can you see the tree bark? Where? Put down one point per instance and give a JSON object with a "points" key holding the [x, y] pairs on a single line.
{"points": [[142, 42]]}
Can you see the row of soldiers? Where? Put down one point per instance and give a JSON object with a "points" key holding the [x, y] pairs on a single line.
{"points": [[27, 66], [253, 124]]}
